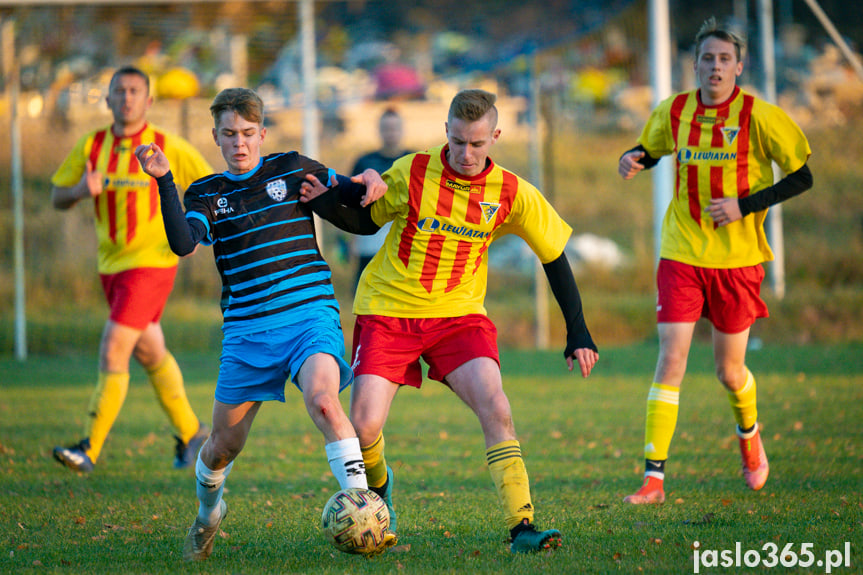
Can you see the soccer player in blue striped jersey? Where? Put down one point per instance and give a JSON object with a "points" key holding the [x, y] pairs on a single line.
{"points": [[281, 317]]}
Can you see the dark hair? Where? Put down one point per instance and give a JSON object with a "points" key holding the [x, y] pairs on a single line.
{"points": [[243, 101], [390, 112], [129, 71], [471, 105], [710, 29]]}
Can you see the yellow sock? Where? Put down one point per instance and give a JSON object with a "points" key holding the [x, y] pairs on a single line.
{"points": [[743, 403], [375, 462], [105, 405], [662, 405], [510, 478], [167, 381]]}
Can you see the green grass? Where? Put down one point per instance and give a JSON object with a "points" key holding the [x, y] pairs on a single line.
{"points": [[581, 441]]}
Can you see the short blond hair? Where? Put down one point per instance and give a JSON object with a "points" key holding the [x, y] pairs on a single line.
{"points": [[710, 29], [471, 105]]}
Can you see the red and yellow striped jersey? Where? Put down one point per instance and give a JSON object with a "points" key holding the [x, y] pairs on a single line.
{"points": [[128, 216], [434, 261], [720, 151]]}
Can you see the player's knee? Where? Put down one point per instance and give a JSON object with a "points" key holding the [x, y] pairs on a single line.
{"points": [[224, 447], [732, 378], [496, 410], [367, 426], [325, 405]]}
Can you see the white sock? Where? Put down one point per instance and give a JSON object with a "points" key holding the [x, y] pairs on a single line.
{"points": [[209, 487], [346, 463]]}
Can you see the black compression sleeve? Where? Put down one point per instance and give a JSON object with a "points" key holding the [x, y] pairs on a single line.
{"points": [[349, 193], [646, 160], [356, 220], [182, 237], [566, 293], [791, 185]]}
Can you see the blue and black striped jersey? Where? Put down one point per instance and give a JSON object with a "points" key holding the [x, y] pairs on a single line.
{"points": [[264, 243]]}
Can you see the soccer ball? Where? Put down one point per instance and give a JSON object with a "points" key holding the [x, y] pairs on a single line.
{"points": [[355, 521]]}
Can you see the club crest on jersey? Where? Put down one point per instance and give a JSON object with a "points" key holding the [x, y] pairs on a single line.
{"points": [[277, 189], [488, 210], [730, 134]]}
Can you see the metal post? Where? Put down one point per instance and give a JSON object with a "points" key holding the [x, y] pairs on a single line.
{"points": [[775, 234], [12, 72], [534, 149], [660, 64], [310, 97]]}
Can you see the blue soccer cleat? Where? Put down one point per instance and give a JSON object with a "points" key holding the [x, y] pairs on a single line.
{"points": [[187, 453], [526, 539], [386, 493]]}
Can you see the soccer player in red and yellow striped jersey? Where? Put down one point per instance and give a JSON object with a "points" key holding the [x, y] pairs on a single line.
{"points": [[135, 263], [725, 142], [422, 296]]}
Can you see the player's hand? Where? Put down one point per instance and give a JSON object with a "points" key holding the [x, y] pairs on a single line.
{"points": [[628, 167], [724, 210], [92, 180], [153, 160], [312, 187], [586, 359], [375, 186]]}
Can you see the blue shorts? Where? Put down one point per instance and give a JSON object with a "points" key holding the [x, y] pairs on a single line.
{"points": [[255, 367]]}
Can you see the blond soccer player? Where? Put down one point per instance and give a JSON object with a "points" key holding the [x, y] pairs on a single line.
{"points": [[724, 142]]}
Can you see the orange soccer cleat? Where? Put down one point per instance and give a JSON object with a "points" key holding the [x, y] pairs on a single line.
{"points": [[650, 492], [755, 466]]}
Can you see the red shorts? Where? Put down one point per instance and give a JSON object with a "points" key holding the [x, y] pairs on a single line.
{"points": [[137, 297], [391, 347], [729, 298]]}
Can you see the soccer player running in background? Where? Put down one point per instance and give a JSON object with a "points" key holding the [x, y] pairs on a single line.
{"points": [[281, 318], [390, 130], [135, 264], [423, 295], [713, 241]]}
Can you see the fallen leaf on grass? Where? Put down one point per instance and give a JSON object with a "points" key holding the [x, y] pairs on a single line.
{"points": [[706, 519]]}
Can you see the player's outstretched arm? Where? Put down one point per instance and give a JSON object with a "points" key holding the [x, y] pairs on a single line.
{"points": [[358, 191], [89, 186], [343, 205], [153, 160], [183, 236], [579, 344], [374, 184]]}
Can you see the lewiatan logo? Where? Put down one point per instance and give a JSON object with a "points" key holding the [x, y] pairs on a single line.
{"points": [[686, 156], [432, 225]]}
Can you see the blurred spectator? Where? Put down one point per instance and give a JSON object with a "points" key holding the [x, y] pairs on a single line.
{"points": [[390, 130]]}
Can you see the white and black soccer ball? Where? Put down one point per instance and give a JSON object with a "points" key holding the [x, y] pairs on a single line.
{"points": [[355, 521]]}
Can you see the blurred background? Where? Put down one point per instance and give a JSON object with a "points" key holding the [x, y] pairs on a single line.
{"points": [[573, 80]]}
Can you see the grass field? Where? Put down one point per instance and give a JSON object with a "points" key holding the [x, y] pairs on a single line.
{"points": [[581, 440]]}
